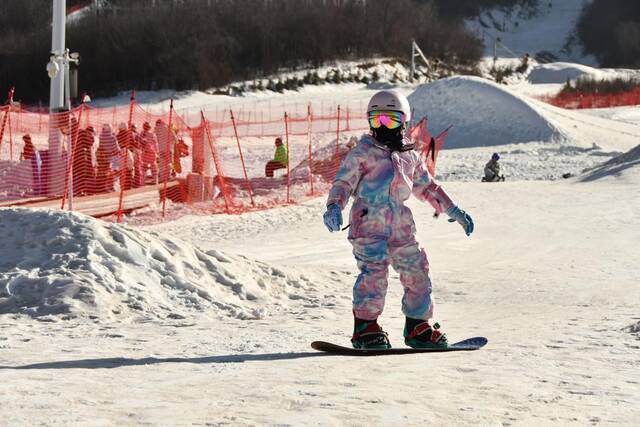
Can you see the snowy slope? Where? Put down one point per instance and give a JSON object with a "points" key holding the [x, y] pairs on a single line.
{"points": [[559, 256], [550, 29], [620, 166], [207, 320]]}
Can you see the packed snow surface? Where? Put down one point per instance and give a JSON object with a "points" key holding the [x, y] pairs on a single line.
{"points": [[207, 320], [54, 262], [561, 256]]}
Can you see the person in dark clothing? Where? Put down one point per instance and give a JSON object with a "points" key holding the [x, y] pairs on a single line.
{"points": [[84, 174], [492, 170]]}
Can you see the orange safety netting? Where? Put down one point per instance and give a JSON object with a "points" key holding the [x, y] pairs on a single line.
{"points": [[109, 161], [580, 101]]}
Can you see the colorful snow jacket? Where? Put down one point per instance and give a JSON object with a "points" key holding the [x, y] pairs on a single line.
{"points": [[380, 180], [281, 154]]}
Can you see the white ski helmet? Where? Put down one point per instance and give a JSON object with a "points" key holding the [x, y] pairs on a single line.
{"points": [[390, 100]]}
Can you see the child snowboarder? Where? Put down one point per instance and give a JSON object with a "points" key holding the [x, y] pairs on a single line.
{"points": [[492, 170], [380, 173]]}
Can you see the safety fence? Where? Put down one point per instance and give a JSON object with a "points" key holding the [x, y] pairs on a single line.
{"points": [[576, 100], [109, 161]]}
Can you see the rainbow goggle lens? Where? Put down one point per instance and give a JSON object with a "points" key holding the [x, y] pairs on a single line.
{"points": [[389, 119]]}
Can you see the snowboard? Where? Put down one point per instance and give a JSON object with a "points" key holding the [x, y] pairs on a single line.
{"points": [[465, 345]]}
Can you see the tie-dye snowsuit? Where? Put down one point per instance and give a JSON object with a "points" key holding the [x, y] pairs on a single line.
{"points": [[382, 229]]}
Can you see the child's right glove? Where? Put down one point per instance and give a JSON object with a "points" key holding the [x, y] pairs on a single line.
{"points": [[463, 218], [333, 217]]}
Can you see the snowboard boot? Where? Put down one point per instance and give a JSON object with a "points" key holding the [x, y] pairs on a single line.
{"points": [[420, 334], [367, 334]]}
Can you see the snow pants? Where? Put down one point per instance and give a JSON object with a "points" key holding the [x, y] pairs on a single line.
{"points": [[378, 241]]}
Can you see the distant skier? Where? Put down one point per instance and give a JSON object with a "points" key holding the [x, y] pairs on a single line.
{"points": [[380, 173], [492, 170]]}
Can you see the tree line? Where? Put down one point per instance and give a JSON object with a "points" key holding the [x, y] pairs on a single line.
{"points": [[610, 30], [470, 8], [199, 44]]}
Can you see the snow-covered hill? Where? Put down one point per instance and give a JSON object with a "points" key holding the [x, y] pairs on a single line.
{"points": [[482, 113], [560, 72], [486, 114]]}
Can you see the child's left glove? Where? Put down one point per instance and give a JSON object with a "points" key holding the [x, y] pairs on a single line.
{"points": [[333, 217], [463, 218]]}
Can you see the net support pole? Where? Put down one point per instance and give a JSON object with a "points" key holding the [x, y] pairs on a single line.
{"points": [[73, 137], [166, 176], [309, 123], [6, 114], [10, 133], [338, 141], [244, 168], [125, 156], [286, 133], [216, 164]]}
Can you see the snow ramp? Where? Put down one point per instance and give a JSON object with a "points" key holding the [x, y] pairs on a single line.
{"points": [[626, 166], [482, 113], [65, 263]]}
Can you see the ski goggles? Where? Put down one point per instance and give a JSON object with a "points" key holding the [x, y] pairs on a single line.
{"points": [[389, 119]]}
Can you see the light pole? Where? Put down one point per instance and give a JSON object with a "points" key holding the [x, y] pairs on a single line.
{"points": [[56, 68], [59, 101]]}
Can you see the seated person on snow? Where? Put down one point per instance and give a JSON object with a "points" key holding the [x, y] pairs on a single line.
{"points": [[492, 170], [380, 173], [280, 159]]}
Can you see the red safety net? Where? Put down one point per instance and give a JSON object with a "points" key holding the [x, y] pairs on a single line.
{"points": [[110, 161], [580, 101]]}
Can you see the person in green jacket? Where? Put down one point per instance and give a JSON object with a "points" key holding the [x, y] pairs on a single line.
{"points": [[280, 159]]}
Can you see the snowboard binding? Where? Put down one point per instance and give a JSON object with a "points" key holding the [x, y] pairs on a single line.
{"points": [[369, 335], [420, 334]]}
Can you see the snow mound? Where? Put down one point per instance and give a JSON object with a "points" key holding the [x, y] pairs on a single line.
{"points": [[482, 113], [626, 164], [64, 263], [560, 72]]}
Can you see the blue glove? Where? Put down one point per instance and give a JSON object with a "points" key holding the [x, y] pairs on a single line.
{"points": [[333, 217], [463, 218]]}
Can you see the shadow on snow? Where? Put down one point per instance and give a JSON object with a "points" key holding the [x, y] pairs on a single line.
{"points": [[118, 362]]}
